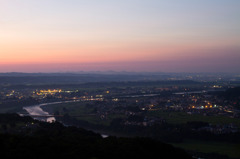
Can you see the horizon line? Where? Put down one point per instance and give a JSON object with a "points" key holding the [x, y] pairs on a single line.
{"points": [[114, 72]]}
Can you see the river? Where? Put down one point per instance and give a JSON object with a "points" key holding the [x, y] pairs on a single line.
{"points": [[36, 112]]}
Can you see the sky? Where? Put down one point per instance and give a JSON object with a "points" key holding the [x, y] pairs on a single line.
{"points": [[120, 35]]}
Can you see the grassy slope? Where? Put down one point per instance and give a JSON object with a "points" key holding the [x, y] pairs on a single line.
{"points": [[229, 149]]}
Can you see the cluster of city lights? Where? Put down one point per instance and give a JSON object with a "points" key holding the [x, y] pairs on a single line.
{"points": [[204, 107]]}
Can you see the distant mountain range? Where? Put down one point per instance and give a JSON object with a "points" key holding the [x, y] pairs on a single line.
{"points": [[113, 72], [107, 76], [73, 78]]}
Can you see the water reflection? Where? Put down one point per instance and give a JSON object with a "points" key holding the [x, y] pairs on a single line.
{"points": [[38, 113]]}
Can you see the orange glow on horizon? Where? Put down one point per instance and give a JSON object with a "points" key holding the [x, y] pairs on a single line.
{"points": [[46, 36], [114, 53]]}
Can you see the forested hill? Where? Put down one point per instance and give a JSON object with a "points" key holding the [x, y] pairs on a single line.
{"points": [[23, 137]]}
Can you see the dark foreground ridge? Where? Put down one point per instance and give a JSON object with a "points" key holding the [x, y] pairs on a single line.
{"points": [[26, 138]]}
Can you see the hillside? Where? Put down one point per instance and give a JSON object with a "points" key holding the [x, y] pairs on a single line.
{"points": [[24, 137]]}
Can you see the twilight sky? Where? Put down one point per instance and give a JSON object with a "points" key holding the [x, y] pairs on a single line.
{"points": [[120, 35]]}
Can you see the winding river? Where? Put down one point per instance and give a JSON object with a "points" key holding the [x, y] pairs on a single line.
{"points": [[39, 114]]}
